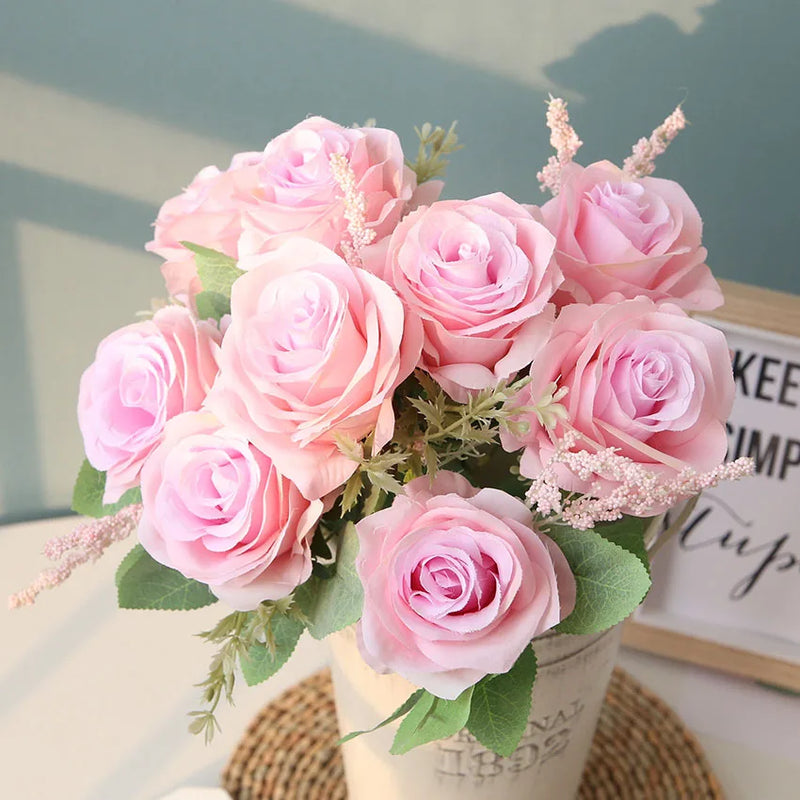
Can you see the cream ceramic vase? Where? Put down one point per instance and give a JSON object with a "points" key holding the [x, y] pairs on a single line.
{"points": [[573, 674]]}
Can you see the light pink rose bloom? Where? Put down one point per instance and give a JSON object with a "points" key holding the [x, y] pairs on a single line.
{"points": [[632, 236], [456, 584], [315, 350], [644, 378], [480, 274], [217, 510], [143, 375], [207, 213]]}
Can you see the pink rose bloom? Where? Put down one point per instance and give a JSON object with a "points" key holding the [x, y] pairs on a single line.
{"points": [[480, 274], [315, 350], [143, 375], [644, 378], [206, 213], [632, 236], [217, 510], [456, 584]]}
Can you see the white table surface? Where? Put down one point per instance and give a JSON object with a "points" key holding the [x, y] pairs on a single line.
{"points": [[93, 700]]}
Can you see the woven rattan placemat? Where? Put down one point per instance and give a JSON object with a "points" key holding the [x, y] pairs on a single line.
{"points": [[641, 750]]}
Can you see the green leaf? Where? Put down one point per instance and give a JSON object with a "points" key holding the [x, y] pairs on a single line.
{"points": [[144, 583], [212, 305], [401, 711], [628, 533], [262, 662], [87, 496], [216, 271], [430, 719], [611, 581], [334, 603], [501, 705]]}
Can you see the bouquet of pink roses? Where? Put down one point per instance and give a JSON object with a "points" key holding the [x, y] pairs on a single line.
{"points": [[449, 422]]}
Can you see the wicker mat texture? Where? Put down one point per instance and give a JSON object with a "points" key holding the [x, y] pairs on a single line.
{"points": [[641, 750]]}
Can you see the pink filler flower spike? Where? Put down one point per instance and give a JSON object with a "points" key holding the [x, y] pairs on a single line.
{"points": [[565, 142], [86, 543], [355, 210], [641, 162]]}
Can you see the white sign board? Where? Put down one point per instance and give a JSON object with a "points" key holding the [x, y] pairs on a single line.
{"points": [[732, 573]]}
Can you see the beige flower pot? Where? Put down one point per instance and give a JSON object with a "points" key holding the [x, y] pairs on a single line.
{"points": [[570, 686]]}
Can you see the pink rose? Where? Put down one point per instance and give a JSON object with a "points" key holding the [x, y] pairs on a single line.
{"points": [[292, 189], [206, 213], [217, 510], [633, 236], [143, 375], [315, 350], [644, 378], [456, 584], [480, 274]]}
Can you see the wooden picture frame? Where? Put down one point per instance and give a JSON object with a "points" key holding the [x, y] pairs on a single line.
{"points": [[747, 654]]}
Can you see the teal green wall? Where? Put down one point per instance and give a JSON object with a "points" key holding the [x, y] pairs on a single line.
{"points": [[236, 73]]}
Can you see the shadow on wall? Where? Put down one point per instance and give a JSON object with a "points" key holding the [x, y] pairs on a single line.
{"points": [[243, 71]]}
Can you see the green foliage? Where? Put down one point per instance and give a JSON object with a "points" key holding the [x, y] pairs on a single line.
{"points": [[212, 305], [401, 711], [431, 718], [87, 496], [611, 580], [263, 660], [501, 705], [144, 583], [273, 625], [330, 604], [217, 272], [628, 533], [434, 145]]}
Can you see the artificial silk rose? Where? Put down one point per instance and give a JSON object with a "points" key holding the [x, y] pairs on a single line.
{"points": [[456, 583], [143, 375], [207, 213], [217, 510], [314, 351], [641, 377], [480, 274], [632, 236]]}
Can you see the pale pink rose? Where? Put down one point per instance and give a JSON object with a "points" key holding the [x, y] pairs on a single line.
{"points": [[292, 188], [632, 236], [480, 274], [644, 378], [457, 582], [143, 375], [217, 510], [207, 213], [315, 350]]}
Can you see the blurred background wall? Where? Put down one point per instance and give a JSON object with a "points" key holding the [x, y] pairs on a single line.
{"points": [[109, 108]]}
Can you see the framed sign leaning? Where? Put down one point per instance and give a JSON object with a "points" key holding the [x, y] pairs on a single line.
{"points": [[726, 588]]}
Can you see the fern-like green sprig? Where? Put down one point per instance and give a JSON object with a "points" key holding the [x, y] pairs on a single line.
{"points": [[434, 145], [235, 634]]}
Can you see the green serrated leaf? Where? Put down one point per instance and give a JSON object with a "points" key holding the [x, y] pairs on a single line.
{"points": [[352, 490], [430, 719], [212, 305], [501, 705], [410, 702], [217, 272], [610, 580], [261, 662], [87, 496], [332, 604], [144, 583], [628, 533]]}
